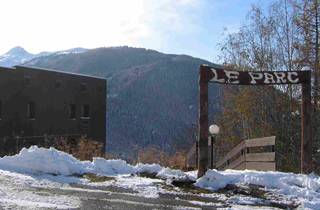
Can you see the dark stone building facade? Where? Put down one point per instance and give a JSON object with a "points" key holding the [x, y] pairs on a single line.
{"points": [[38, 102]]}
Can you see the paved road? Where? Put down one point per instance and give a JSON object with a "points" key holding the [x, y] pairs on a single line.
{"points": [[24, 192], [118, 198]]}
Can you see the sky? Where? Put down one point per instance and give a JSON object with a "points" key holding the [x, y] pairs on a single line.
{"points": [[192, 27]]}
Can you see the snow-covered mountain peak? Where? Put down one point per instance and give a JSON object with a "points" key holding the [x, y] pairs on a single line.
{"points": [[15, 56], [18, 51], [18, 55]]}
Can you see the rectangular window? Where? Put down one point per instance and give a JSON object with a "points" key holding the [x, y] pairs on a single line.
{"points": [[72, 111], [85, 111], [31, 110]]}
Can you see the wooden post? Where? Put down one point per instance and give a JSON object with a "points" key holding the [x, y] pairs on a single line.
{"points": [[203, 123], [306, 129]]}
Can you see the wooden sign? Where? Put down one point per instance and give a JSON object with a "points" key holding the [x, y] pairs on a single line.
{"points": [[219, 74], [256, 77]]}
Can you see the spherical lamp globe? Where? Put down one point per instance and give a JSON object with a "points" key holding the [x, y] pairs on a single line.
{"points": [[214, 129]]}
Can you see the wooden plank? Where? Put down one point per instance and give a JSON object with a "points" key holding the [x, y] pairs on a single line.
{"points": [[264, 157], [236, 162], [232, 153], [261, 166], [260, 142], [242, 166]]}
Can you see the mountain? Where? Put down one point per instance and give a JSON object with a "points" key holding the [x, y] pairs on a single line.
{"points": [[15, 56], [152, 96], [18, 55]]}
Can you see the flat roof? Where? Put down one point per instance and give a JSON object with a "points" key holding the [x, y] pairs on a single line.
{"points": [[21, 67]]}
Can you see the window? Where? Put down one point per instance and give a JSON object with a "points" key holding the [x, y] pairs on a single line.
{"points": [[85, 111], [31, 110], [72, 111], [27, 79], [83, 87]]}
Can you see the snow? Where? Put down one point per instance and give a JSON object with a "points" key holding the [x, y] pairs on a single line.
{"points": [[145, 187], [111, 167], [51, 161], [50, 168], [41, 160], [15, 192], [305, 188], [171, 174], [147, 168]]}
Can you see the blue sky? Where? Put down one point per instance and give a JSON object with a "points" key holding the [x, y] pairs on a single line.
{"points": [[203, 25], [193, 27]]}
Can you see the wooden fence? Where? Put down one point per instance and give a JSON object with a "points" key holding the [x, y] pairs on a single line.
{"points": [[254, 154]]}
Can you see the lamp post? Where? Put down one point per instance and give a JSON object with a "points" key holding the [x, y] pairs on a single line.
{"points": [[214, 130]]}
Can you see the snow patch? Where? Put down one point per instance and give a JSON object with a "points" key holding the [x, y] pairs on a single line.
{"points": [[171, 174], [304, 188], [145, 187], [17, 191], [147, 168], [111, 167]]}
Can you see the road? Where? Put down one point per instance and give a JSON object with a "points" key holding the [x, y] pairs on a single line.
{"points": [[22, 191]]}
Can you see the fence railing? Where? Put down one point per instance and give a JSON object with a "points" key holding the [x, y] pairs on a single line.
{"points": [[254, 154]]}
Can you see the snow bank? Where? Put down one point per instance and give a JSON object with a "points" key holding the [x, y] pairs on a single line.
{"points": [[41, 160], [51, 161], [147, 168], [111, 167], [171, 174], [305, 188], [213, 180]]}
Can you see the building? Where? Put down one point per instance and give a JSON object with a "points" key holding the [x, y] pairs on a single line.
{"points": [[36, 103]]}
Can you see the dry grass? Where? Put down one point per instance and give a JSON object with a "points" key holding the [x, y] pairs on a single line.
{"points": [[153, 154], [83, 149]]}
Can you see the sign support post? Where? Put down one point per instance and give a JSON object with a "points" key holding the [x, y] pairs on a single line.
{"points": [[203, 123], [306, 129]]}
